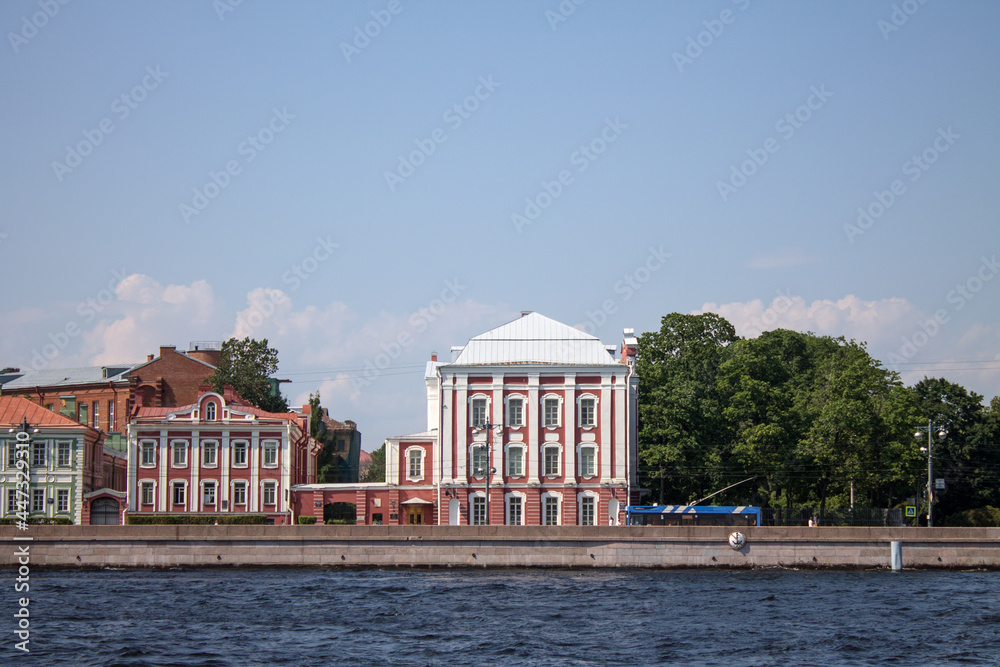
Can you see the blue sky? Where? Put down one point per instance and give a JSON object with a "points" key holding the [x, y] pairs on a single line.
{"points": [[250, 181]]}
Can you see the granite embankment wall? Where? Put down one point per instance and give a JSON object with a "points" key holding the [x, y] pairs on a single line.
{"points": [[496, 546]]}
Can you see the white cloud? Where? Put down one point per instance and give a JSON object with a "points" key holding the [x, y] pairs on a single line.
{"points": [[899, 334]]}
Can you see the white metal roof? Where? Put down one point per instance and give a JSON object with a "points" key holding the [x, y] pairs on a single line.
{"points": [[534, 339]]}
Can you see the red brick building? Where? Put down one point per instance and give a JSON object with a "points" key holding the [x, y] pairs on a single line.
{"points": [[218, 455]]}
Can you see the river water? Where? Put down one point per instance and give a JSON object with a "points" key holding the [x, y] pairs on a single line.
{"points": [[509, 617]]}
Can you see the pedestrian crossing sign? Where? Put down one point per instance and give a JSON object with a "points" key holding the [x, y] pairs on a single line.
{"points": [[911, 511]]}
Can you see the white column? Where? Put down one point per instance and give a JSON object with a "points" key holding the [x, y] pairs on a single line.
{"points": [[569, 424], [445, 435], [604, 428], [532, 455], [461, 408]]}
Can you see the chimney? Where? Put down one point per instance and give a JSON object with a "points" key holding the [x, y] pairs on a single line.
{"points": [[456, 350], [149, 357], [629, 346], [526, 312], [434, 356]]}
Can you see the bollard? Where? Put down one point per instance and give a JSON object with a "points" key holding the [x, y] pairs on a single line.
{"points": [[896, 551]]}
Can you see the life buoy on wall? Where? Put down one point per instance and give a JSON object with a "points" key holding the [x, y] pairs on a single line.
{"points": [[737, 540]]}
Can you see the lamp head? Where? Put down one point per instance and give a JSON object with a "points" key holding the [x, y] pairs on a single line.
{"points": [[917, 435], [942, 434]]}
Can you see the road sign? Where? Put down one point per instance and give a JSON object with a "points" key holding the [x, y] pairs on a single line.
{"points": [[911, 511]]}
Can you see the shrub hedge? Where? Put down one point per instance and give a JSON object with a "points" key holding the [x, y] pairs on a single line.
{"points": [[307, 520], [197, 519]]}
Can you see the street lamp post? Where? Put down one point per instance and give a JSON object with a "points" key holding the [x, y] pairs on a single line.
{"points": [[930, 428], [488, 427]]}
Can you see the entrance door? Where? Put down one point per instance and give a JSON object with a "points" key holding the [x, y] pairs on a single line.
{"points": [[104, 512], [415, 515]]}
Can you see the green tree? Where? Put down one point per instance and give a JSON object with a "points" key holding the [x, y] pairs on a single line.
{"points": [[967, 458], [681, 429], [247, 366], [376, 471]]}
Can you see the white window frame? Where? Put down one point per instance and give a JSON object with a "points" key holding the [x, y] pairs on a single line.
{"points": [[579, 411], [508, 500], [11, 447], [95, 415], [64, 447], [182, 485], [37, 498], [269, 446], [580, 501], [210, 411], [472, 459], [508, 420], [206, 447], [244, 446], [242, 485], [545, 498], [147, 484], [39, 452], [269, 486], [559, 410], [510, 448], [472, 411], [11, 500], [174, 450], [580, 449], [477, 500], [62, 501], [147, 446], [414, 453], [205, 486], [559, 455]]}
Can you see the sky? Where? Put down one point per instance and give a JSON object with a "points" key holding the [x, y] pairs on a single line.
{"points": [[365, 183]]}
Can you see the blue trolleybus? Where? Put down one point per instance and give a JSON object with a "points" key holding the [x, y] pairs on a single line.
{"points": [[692, 515]]}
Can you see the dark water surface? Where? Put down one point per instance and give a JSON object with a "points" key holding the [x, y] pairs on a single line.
{"points": [[508, 617]]}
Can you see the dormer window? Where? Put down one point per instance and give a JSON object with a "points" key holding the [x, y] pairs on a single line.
{"points": [[210, 411]]}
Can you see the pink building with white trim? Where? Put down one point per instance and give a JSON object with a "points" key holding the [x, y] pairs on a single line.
{"points": [[556, 436], [217, 456]]}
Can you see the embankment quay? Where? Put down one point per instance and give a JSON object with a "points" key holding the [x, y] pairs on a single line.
{"points": [[497, 546]]}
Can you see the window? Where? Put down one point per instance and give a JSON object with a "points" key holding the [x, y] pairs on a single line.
{"points": [[478, 411], [11, 451], [11, 500], [148, 453], [111, 416], [239, 493], [552, 461], [551, 406], [179, 493], [270, 454], [96, 415], [515, 461], [62, 500], [240, 454], [587, 511], [62, 454], [146, 489], [38, 500], [82, 414], [479, 460], [210, 411], [588, 463], [38, 453], [208, 494], [478, 509], [180, 453], [588, 415], [551, 511], [416, 469], [269, 493], [515, 412], [209, 453], [514, 511]]}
